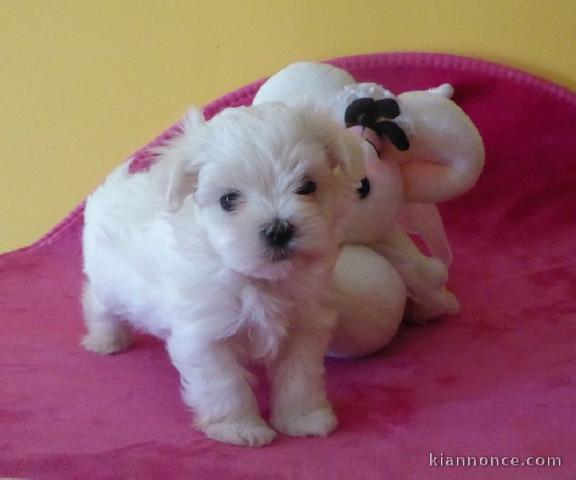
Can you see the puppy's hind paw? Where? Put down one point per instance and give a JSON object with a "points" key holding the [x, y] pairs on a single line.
{"points": [[106, 345], [246, 432], [316, 422]]}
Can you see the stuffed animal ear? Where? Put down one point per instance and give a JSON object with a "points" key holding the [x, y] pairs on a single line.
{"points": [[183, 155], [318, 82], [446, 154]]}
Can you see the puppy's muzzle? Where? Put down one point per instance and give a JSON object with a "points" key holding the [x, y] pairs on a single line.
{"points": [[277, 235]]}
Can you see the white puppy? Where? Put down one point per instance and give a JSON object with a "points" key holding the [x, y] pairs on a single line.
{"points": [[225, 249]]}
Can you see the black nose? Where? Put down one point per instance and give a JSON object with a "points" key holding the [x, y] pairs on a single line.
{"points": [[278, 233]]}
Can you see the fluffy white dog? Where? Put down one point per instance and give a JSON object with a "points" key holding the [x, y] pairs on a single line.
{"points": [[225, 249]]}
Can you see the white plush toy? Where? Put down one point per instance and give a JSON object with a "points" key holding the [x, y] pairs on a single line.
{"points": [[420, 149]]}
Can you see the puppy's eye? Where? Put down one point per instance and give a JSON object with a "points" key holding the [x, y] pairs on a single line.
{"points": [[307, 188], [229, 200], [363, 190]]}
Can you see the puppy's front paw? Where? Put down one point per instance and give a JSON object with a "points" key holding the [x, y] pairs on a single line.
{"points": [[107, 344], [316, 422], [246, 432]]}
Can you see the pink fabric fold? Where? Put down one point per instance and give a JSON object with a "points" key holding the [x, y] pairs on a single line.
{"points": [[497, 380]]}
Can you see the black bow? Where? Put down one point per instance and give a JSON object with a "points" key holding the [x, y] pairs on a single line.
{"points": [[376, 115]]}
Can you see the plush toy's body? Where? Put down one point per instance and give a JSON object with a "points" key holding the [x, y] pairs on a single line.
{"points": [[420, 149]]}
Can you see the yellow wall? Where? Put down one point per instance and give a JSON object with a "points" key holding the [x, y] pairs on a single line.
{"points": [[85, 83]]}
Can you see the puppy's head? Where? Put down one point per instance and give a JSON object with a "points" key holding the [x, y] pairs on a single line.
{"points": [[269, 184]]}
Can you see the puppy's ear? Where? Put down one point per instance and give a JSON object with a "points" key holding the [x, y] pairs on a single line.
{"points": [[182, 155], [345, 151], [343, 147], [181, 183]]}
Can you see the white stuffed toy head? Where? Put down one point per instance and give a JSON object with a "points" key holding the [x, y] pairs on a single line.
{"points": [[420, 148], [430, 150]]}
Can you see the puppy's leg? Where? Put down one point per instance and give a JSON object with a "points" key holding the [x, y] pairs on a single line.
{"points": [[107, 333], [299, 403], [217, 388]]}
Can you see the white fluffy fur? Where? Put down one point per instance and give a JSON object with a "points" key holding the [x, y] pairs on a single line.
{"points": [[162, 255]]}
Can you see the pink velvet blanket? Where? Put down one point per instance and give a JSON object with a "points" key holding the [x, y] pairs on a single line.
{"points": [[496, 382]]}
